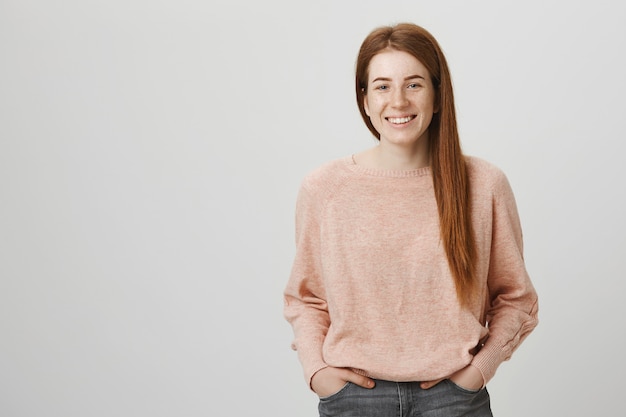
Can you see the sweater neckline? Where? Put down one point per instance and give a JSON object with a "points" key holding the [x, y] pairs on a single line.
{"points": [[380, 172]]}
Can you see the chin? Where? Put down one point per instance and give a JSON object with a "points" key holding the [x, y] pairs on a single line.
{"points": [[410, 140]]}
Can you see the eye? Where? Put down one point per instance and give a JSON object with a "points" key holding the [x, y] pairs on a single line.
{"points": [[413, 86], [382, 87]]}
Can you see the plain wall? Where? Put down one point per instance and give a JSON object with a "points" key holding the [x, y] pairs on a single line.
{"points": [[150, 156]]}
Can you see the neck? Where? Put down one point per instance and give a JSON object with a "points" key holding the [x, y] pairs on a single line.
{"points": [[401, 157], [392, 159], [384, 157]]}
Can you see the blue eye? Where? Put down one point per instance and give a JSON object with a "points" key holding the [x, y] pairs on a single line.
{"points": [[382, 87]]}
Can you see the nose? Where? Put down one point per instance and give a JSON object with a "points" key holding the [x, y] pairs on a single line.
{"points": [[399, 98]]}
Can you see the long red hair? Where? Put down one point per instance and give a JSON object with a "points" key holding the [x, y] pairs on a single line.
{"points": [[449, 171]]}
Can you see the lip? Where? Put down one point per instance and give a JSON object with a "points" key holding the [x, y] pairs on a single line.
{"points": [[400, 120]]}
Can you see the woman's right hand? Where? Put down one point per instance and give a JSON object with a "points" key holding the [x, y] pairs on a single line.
{"points": [[329, 381]]}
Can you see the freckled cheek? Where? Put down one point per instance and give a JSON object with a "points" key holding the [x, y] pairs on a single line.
{"points": [[374, 109]]}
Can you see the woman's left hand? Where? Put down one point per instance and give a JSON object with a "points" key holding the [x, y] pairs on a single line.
{"points": [[469, 378]]}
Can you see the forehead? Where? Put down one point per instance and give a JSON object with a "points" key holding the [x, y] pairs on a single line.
{"points": [[394, 64]]}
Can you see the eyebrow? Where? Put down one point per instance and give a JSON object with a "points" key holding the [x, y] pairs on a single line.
{"points": [[410, 77]]}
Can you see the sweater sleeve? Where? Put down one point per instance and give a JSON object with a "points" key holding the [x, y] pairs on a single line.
{"points": [[305, 306], [512, 308]]}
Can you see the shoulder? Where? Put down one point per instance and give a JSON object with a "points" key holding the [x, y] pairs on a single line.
{"points": [[327, 175], [482, 171], [322, 182], [486, 177], [478, 167]]}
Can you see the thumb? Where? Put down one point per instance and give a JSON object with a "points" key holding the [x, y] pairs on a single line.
{"points": [[430, 384], [361, 380]]}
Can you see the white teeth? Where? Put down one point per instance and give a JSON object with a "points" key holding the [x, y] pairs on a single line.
{"points": [[400, 120]]}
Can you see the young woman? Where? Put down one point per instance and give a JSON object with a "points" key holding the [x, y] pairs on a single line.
{"points": [[408, 287]]}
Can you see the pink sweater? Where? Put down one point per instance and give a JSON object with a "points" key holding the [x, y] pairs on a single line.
{"points": [[370, 288]]}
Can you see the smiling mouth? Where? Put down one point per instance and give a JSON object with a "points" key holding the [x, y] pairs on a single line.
{"points": [[400, 120]]}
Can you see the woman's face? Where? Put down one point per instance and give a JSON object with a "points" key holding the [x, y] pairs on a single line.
{"points": [[400, 98]]}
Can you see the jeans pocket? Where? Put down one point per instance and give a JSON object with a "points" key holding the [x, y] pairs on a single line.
{"points": [[463, 389], [336, 394]]}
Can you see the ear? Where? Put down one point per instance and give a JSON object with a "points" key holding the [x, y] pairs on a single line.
{"points": [[365, 105], [437, 99], [437, 103]]}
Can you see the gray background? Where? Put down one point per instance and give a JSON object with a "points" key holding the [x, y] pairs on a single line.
{"points": [[150, 155]]}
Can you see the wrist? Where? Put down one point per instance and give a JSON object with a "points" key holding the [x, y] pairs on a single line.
{"points": [[469, 377]]}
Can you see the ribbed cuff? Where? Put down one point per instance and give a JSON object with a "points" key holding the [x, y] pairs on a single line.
{"points": [[310, 378], [488, 359]]}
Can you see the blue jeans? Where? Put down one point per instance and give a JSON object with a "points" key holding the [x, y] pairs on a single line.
{"points": [[406, 399]]}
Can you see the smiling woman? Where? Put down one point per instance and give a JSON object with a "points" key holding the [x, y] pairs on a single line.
{"points": [[400, 106], [408, 287]]}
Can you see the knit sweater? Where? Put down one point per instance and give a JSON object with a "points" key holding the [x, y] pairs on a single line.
{"points": [[371, 288]]}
